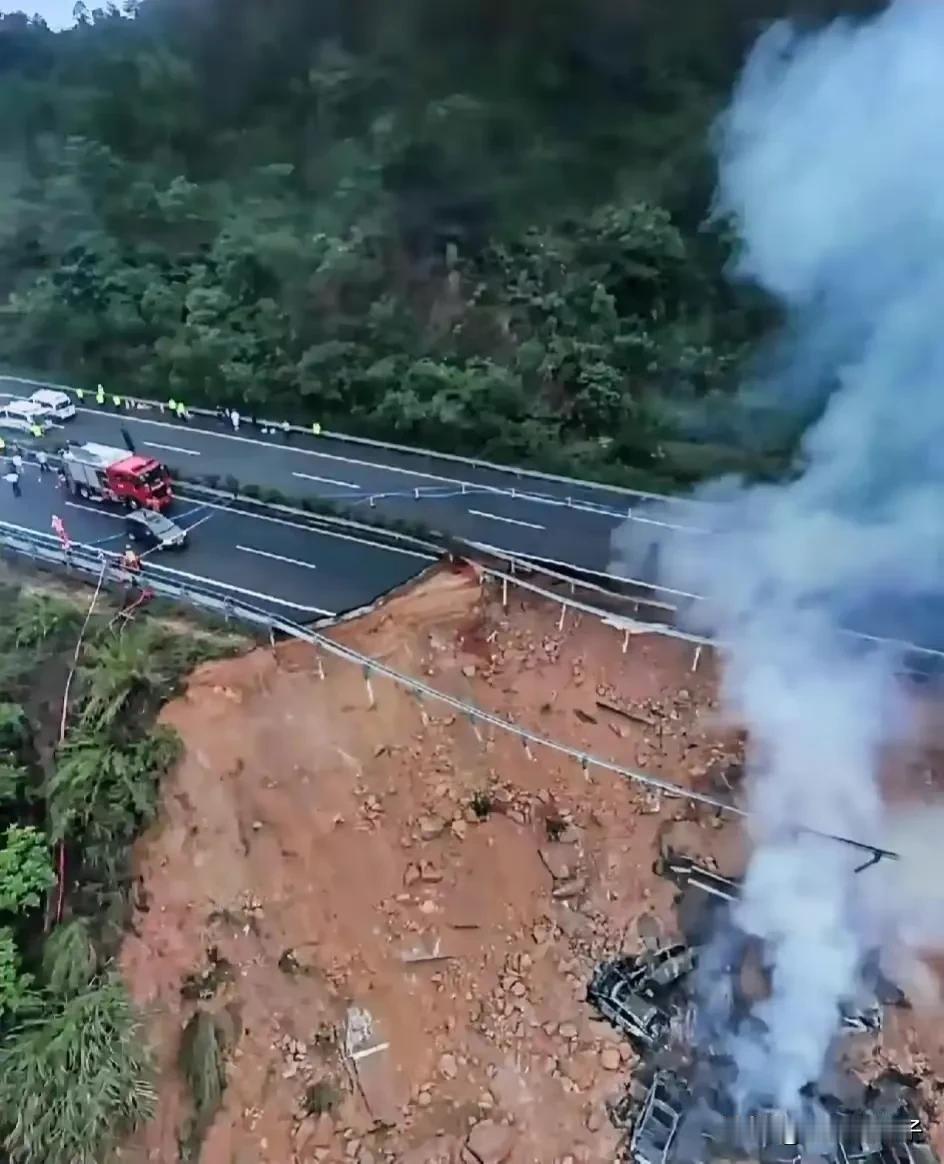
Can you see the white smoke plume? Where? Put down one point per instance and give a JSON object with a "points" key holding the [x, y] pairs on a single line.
{"points": [[831, 165]]}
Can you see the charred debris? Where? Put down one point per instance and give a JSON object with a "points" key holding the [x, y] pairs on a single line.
{"points": [[679, 1107]]}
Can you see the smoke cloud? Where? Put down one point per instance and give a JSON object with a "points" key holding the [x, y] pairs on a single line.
{"points": [[831, 165]]}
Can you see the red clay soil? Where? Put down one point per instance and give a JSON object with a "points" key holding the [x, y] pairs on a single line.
{"points": [[408, 905]]}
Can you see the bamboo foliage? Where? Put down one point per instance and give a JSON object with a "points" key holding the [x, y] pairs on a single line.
{"points": [[76, 1079]]}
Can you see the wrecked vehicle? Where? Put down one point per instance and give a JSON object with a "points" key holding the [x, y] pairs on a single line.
{"points": [[633, 992], [612, 992], [685, 873], [655, 1128], [660, 970]]}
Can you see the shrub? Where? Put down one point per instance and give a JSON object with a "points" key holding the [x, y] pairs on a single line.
{"points": [[76, 1080]]}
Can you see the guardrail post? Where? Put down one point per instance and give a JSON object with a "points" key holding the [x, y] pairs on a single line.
{"points": [[697, 657], [625, 641], [372, 702], [504, 594], [560, 621]]}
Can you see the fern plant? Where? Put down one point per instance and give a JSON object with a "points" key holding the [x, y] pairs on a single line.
{"points": [[70, 960], [76, 1080]]}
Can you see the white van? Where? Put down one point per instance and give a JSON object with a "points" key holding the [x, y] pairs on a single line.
{"points": [[22, 416], [55, 405]]}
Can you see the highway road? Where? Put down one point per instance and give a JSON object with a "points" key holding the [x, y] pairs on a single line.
{"points": [[283, 565], [556, 521], [319, 572]]}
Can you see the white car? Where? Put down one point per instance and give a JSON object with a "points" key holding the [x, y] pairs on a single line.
{"points": [[55, 405], [23, 416]]}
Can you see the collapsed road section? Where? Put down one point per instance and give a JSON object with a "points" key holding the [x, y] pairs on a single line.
{"points": [[683, 1105]]}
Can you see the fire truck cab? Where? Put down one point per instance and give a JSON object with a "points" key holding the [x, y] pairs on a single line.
{"points": [[101, 473]]}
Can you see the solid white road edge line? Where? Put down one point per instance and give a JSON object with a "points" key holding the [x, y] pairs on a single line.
{"points": [[92, 509], [326, 480], [508, 520], [182, 573], [277, 557], [171, 448], [236, 589]]}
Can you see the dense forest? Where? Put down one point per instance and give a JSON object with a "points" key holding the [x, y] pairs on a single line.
{"points": [[473, 225]]}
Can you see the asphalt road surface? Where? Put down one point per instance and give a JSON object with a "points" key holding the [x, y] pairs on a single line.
{"points": [[554, 521], [273, 562]]}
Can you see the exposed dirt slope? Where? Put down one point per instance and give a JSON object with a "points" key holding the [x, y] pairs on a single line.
{"points": [[393, 912], [341, 860]]}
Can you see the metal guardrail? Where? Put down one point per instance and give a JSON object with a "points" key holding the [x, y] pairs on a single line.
{"points": [[37, 546], [390, 446]]}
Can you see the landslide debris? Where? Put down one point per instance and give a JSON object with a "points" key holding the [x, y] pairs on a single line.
{"points": [[393, 911]]}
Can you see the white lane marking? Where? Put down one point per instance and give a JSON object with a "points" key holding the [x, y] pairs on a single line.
{"points": [[277, 557], [328, 533], [285, 448], [171, 570], [509, 520], [238, 589], [516, 494], [92, 509], [326, 480], [171, 448]]}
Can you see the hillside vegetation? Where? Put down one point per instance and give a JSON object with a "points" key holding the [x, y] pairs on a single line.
{"points": [[473, 225], [77, 783]]}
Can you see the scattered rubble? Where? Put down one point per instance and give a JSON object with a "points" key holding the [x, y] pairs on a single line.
{"points": [[404, 948]]}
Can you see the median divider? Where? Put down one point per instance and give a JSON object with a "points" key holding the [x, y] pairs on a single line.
{"points": [[637, 602]]}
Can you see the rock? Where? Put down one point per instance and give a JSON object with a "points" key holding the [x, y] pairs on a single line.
{"points": [[431, 827], [442, 1150], [567, 1030], [429, 873], [448, 1067], [573, 887], [594, 1120], [460, 829], [610, 1059], [490, 1143], [424, 1099], [411, 874], [469, 670], [558, 860]]}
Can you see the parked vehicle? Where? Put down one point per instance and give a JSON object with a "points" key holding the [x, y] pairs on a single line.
{"points": [[101, 473], [55, 405], [154, 531], [22, 416]]}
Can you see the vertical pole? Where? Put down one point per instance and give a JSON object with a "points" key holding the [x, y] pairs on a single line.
{"points": [[697, 657]]}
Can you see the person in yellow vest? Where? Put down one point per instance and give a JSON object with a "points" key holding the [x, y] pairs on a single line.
{"points": [[3, 444], [316, 429], [181, 410], [80, 394], [100, 395], [172, 405], [36, 430], [116, 400]]}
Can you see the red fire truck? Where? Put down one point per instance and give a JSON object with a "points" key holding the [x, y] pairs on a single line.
{"points": [[101, 473]]}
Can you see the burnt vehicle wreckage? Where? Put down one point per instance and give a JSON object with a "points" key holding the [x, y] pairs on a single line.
{"points": [[677, 1108]]}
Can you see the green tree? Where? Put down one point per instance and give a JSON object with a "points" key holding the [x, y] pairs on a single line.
{"points": [[25, 869], [15, 986]]}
